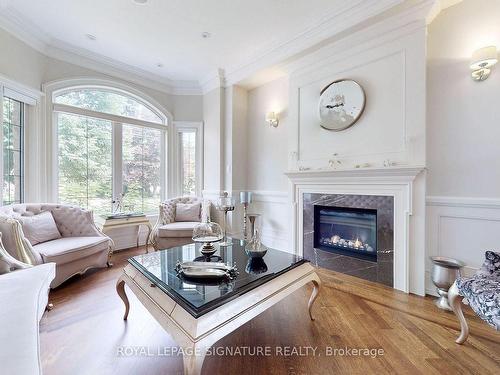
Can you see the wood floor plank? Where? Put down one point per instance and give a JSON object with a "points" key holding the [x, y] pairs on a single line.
{"points": [[84, 333]]}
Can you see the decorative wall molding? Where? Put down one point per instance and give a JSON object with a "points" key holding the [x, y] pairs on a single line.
{"points": [[477, 202], [462, 228]]}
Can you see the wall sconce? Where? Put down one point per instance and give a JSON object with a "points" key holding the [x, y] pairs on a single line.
{"points": [[272, 119], [482, 61]]}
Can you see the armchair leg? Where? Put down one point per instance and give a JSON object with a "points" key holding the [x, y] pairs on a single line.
{"points": [[108, 263], [454, 300]]}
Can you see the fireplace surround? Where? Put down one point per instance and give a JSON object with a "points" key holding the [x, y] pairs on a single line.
{"points": [[404, 184], [348, 212]]}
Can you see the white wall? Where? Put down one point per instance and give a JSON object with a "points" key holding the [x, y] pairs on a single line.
{"points": [[389, 63], [19, 62], [213, 159], [267, 160], [463, 154]]}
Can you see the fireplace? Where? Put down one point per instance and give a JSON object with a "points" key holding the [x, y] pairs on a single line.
{"points": [[346, 231]]}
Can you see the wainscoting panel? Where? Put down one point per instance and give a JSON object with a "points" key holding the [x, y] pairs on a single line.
{"points": [[461, 228]]}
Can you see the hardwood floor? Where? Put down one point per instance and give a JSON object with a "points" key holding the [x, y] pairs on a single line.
{"points": [[85, 333]]}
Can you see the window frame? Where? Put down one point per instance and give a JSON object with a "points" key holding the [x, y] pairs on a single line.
{"points": [[179, 128], [117, 122], [30, 98]]}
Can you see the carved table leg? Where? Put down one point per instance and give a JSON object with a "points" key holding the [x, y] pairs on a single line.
{"points": [[193, 358], [454, 299], [314, 295], [120, 289]]}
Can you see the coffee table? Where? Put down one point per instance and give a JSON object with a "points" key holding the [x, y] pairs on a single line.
{"points": [[197, 315]]}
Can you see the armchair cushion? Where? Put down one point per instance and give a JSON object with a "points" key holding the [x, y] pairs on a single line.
{"points": [[187, 211], [177, 229], [39, 228], [69, 249]]}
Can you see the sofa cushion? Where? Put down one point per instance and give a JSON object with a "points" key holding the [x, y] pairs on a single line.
{"points": [[187, 211], [68, 249], [178, 229], [39, 228]]}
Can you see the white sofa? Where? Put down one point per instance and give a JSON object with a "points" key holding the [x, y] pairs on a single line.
{"points": [[82, 245], [23, 299]]}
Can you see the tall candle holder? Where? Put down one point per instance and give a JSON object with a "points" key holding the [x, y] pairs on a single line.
{"points": [[245, 199], [225, 204]]}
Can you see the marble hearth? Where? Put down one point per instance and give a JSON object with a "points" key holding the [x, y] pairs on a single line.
{"points": [[379, 270]]}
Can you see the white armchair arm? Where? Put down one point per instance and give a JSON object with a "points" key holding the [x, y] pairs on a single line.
{"points": [[16, 244]]}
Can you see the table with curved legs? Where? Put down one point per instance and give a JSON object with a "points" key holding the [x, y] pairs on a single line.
{"points": [[196, 335]]}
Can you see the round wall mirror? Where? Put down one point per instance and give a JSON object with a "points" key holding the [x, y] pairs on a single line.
{"points": [[341, 103]]}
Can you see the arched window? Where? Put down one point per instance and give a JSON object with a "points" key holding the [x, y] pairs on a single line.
{"points": [[111, 150]]}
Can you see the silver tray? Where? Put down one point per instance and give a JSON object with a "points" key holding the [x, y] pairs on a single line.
{"points": [[216, 265], [203, 273], [206, 270]]}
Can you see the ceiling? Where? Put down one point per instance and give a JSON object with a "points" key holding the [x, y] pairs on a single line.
{"points": [[163, 38]]}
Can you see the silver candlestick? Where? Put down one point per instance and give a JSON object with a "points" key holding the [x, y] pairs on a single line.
{"points": [[245, 199], [225, 204]]}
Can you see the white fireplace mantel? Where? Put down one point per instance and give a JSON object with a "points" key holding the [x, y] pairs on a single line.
{"points": [[398, 182]]}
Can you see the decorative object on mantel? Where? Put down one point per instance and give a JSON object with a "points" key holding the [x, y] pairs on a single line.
{"points": [[245, 199], [225, 204], [364, 165], [341, 104], [334, 162], [482, 61], [444, 273], [207, 233], [389, 163]]}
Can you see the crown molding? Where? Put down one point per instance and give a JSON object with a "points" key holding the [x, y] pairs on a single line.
{"points": [[332, 24], [15, 24], [87, 59], [213, 81]]}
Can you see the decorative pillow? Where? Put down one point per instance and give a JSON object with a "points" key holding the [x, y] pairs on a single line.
{"points": [[167, 212], [491, 263], [187, 211], [39, 228]]}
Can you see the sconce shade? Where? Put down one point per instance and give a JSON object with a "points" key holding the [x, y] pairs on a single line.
{"points": [[272, 119], [270, 116], [484, 58]]}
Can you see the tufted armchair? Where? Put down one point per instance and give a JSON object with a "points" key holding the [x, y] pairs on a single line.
{"points": [[482, 292], [80, 246], [167, 232]]}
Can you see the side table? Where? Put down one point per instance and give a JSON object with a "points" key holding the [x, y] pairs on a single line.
{"points": [[128, 221]]}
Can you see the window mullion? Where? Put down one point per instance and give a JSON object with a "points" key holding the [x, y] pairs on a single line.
{"points": [[117, 134]]}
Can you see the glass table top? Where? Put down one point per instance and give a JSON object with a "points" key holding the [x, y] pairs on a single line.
{"points": [[198, 299]]}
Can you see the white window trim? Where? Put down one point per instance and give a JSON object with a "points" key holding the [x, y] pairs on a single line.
{"points": [[52, 109], [179, 127], [31, 99]]}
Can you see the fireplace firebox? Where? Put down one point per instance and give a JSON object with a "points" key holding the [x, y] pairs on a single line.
{"points": [[346, 231]]}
